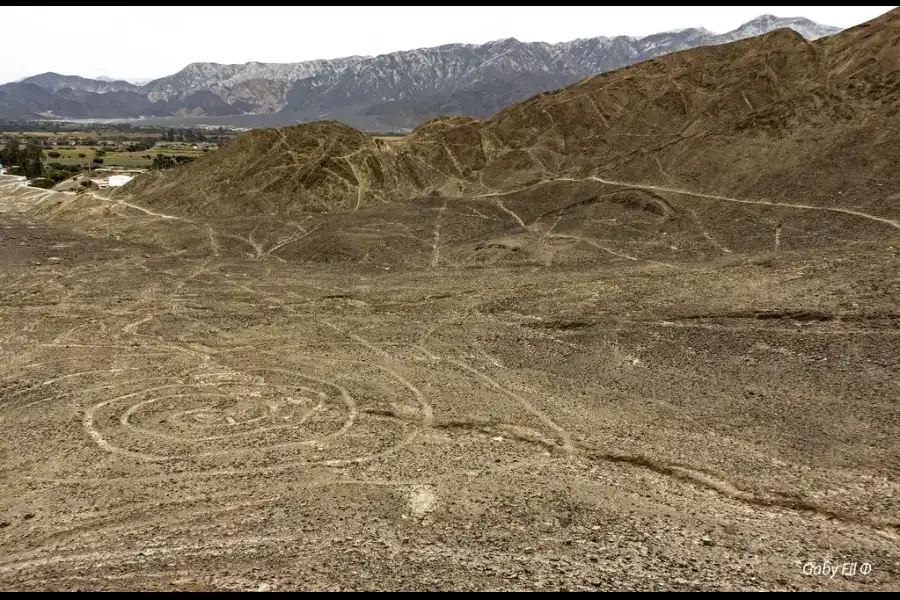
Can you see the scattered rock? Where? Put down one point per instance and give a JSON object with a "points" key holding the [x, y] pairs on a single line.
{"points": [[422, 500]]}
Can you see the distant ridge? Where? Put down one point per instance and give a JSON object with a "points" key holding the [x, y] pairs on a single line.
{"points": [[396, 90], [774, 118]]}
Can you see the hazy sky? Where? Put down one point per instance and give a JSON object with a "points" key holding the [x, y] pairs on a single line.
{"points": [[139, 42]]}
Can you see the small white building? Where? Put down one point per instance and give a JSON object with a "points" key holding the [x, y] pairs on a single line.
{"points": [[119, 180]]}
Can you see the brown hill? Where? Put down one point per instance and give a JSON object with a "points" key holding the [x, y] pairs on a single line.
{"points": [[769, 142], [312, 167], [777, 81], [832, 141]]}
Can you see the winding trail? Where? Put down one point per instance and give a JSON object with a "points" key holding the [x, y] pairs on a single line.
{"points": [[141, 208], [671, 190], [436, 245]]}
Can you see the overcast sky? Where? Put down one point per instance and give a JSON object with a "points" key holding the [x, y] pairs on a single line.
{"points": [[138, 42]]}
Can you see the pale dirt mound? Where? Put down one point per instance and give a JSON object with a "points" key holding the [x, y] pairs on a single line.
{"points": [[19, 198]]}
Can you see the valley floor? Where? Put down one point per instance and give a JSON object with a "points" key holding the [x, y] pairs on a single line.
{"points": [[174, 421]]}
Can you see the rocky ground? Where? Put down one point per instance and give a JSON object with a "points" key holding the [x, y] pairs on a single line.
{"points": [[638, 334], [175, 421]]}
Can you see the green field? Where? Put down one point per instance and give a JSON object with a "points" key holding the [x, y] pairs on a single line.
{"points": [[70, 156], [102, 134]]}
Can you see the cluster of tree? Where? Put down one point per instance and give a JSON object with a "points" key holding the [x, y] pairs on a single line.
{"points": [[185, 135], [55, 173], [55, 154], [28, 160], [140, 146], [162, 163], [60, 172]]}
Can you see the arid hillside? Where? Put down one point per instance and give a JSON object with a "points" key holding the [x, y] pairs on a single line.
{"points": [[638, 334], [315, 167], [764, 116], [769, 143]]}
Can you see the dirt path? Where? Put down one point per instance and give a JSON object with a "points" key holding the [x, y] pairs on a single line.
{"points": [[656, 188], [140, 208]]}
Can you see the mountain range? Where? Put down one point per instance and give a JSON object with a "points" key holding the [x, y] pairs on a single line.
{"points": [[774, 116], [391, 91]]}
